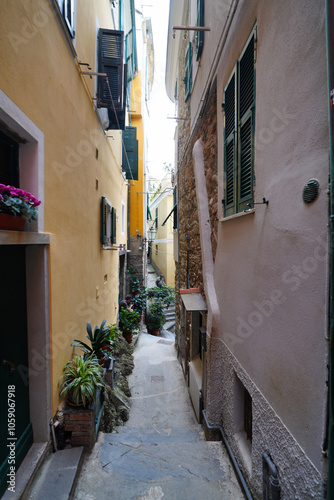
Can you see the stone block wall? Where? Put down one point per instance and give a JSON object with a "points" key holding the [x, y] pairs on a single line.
{"points": [[79, 426]]}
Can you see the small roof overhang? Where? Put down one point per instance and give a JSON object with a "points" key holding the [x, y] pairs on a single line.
{"points": [[193, 301]]}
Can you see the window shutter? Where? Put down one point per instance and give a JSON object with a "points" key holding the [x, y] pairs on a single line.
{"points": [[200, 34], [230, 145], [113, 225], [130, 153], [117, 118], [246, 121], [106, 221], [129, 55], [187, 72], [110, 62]]}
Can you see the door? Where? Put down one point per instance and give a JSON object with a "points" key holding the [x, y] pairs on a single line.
{"points": [[15, 423]]}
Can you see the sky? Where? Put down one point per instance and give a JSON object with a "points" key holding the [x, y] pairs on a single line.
{"points": [[160, 128]]}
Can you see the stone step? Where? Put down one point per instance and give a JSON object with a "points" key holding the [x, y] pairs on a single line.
{"points": [[57, 477], [169, 324]]}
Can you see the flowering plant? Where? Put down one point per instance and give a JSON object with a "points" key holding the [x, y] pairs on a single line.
{"points": [[15, 201]]}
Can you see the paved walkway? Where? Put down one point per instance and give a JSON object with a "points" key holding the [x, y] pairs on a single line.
{"points": [[161, 451]]}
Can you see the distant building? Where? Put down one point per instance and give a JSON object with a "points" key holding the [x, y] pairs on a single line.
{"points": [[161, 248]]}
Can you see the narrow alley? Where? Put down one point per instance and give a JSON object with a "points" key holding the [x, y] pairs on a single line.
{"points": [[161, 451]]}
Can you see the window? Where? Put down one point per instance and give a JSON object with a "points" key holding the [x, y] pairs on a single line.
{"points": [[108, 222], [200, 34], [67, 9], [130, 153], [156, 249], [239, 103], [156, 217], [187, 72], [110, 91], [9, 161]]}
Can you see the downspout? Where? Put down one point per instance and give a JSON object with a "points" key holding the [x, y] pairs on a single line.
{"points": [[329, 12], [213, 317]]}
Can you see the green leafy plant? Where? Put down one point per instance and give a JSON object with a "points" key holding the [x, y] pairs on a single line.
{"points": [[15, 201], [101, 341], [80, 380], [156, 318], [159, 300], [128, 321]]}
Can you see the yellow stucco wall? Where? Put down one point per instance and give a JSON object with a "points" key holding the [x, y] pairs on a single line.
{"points": [[163, 255], [42, 78], [137, 187]]}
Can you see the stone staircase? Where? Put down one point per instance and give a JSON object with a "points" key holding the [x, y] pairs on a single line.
{"points": [[169, 327]]}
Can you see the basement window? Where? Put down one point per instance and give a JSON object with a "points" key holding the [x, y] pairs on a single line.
{"points": [[243, 421]]}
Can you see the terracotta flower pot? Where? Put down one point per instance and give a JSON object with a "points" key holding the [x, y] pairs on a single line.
{"points": [[11, 222], [128, 337]]}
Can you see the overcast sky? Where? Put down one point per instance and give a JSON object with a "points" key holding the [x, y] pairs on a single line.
{"points": [[160, 128]]}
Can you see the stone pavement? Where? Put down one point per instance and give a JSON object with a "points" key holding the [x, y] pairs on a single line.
{"points": [[161, 451]]}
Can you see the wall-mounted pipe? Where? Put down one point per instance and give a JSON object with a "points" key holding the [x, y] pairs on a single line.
{"points": [[271, 489], [236, 467]]}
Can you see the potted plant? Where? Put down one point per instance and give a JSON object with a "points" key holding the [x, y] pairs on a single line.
{"points": [[128, 323], [101, 342], [16, 207], [159, 300], [81, 379], [155, 318]]}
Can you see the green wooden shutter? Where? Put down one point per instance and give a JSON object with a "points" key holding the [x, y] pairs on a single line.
{"points": [[113, 225], [230, 146], [187, 72], [246, 125], [111, 44], [200, 34], [130, 153], [104, 207]]}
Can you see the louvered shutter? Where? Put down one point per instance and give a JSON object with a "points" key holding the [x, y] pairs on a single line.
{"points": [[200, 34], [130, 153], [246, 125], [187, 72], [230, 146], [113, 225], [117, 118], [111, 45]]}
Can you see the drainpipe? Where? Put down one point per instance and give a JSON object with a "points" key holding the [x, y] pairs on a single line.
{"points": [[236, 467], [329, 12], [273, 489]]}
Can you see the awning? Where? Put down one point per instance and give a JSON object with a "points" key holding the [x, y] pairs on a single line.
{"points": [[193, 302], [170, 213]]}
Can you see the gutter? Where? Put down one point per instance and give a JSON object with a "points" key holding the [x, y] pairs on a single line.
{"points": [[329, 13]]}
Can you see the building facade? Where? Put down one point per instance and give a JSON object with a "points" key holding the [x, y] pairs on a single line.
{"points": [[63, 109], [252, 264], [162, 247]]}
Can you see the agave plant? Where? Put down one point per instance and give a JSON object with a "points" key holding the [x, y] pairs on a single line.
{"points": [[101, 341], [80, 380]]}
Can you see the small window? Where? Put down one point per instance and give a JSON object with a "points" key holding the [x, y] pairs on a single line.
{"points": [[156, 249], [67, 9], [108, 222]]}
